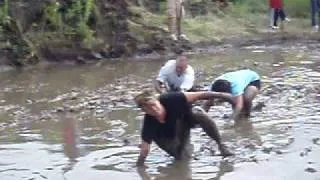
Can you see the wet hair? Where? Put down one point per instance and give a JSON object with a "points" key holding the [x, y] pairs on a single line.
{"points": [[221, 85], [143, 97]]}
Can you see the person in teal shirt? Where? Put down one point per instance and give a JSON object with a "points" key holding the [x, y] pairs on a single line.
{"points": [[243, 85]]}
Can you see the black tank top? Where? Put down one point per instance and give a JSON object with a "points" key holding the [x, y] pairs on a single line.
{"points": [[177, 108]]}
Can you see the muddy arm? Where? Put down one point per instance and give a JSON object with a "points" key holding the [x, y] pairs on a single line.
{"points": [[144, 151], [208, 104], [207, 95], [160, 81]]}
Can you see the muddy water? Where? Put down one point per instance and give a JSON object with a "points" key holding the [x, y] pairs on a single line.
{"points": [[79, 123]]}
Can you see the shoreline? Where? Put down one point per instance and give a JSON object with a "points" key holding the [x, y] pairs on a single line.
{"points": [[257, 39]]}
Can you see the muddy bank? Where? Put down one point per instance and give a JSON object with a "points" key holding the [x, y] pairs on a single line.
{"points": [[169, 49], [88, 56], [84, 31], [64, 30]]}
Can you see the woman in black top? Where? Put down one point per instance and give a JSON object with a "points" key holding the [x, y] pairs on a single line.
{"points": [[168, 121]]}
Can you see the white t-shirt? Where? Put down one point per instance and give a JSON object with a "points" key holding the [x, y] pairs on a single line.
{"points": [[169, 75]]}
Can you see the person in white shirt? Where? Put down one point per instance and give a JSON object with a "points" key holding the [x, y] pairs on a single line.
{"points": [[175, 75]]}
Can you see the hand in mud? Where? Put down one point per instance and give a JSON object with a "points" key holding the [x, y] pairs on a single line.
{"points": [[259, 106], [140, 163], [163, 89], [228, 124], [142, 172], [226, 116]]}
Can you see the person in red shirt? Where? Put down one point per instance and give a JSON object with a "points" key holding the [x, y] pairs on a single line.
{"points": [[277, 9]]}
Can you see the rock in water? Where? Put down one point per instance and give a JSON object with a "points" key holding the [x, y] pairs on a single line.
{"points": [[310, 169], [316, 141], [267, 148]]}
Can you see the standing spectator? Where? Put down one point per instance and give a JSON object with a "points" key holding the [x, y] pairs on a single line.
{"points": [[315, 4], [277, 7], [175, 15]]}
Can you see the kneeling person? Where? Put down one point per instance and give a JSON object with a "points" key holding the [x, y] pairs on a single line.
{"points": [[243, 85], [168, 121], [175, 75]]}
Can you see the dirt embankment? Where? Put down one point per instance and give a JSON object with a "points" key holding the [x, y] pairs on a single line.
{"points": [[83, 31], [48, 29], [59, 30]]}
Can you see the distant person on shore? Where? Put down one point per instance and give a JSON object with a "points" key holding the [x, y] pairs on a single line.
{"points": [[315, 6], [272, 12], [276, 6], [175, 15], [169, 118], [175, 75], [244, 85]]}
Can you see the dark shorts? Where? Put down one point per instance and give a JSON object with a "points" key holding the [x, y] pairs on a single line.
{"points": [[256, 83]]}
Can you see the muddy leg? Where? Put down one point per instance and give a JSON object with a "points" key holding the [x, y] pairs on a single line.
{"points": [[168, 145], [178, 146], [249, 94], [183, 137], [209, 126]]}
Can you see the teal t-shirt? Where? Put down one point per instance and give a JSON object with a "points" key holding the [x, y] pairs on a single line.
{"points": [[239, 80]]}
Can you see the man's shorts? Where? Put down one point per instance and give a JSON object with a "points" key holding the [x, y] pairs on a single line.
{"points": [[256, 83]]}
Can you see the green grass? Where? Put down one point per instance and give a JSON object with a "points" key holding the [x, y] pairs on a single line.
{"points": [[149, 18], [237, 19], [297, 8], [212, 27], [243, 8], [242, 17]]}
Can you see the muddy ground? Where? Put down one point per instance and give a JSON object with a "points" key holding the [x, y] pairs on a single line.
{"points": [[79, 122]]}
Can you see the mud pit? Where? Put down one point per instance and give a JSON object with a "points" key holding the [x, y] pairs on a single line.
{"points": [[80, 122]]}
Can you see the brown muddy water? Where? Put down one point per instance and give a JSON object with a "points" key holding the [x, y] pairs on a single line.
{"points": [[80, 123]]}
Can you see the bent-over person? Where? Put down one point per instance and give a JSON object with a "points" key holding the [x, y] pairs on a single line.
{"points": [[169, 118]]}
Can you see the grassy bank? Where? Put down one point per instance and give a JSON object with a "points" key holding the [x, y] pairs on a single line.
{"points": [[298, 8], [241, 17], [247, 17]]}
